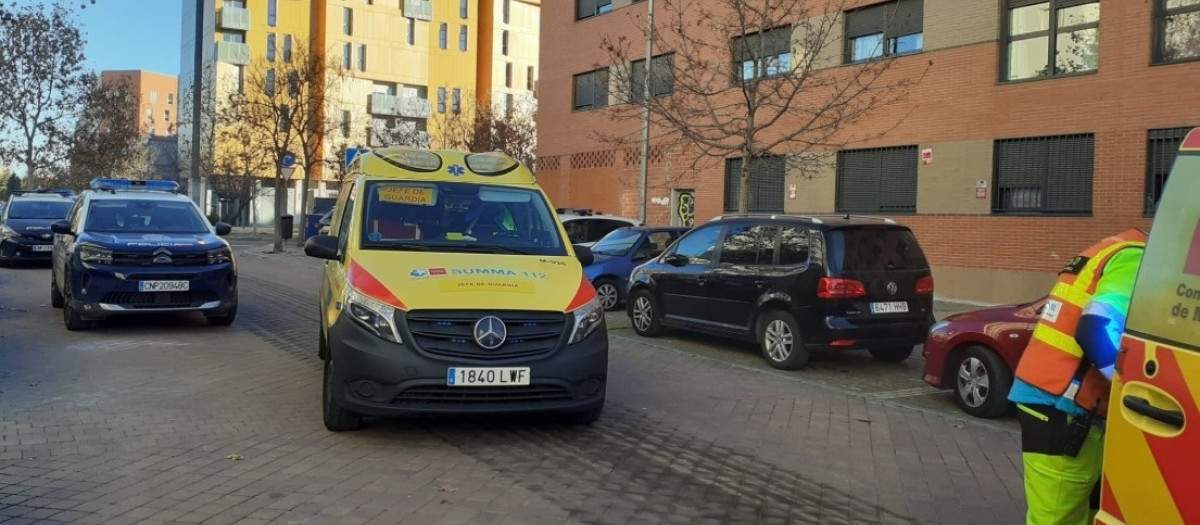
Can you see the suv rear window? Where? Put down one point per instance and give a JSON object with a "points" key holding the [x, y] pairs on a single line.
{"points": [[874, 249]]}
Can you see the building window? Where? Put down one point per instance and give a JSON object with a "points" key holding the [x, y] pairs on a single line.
{"points": [[508, 74], [239, 79], [506, 8], [591, 89], [269, 82], [271, 13], [456, 100], [166, 115], [240, 4], [1044, 175], [892, 28], [662, 77], [441, 103], [442, 36], [504, 42], [285, 118], [170, 99], [1161, 148], [1176, 30], [462, 38], [590, 8], [762, 55], [347, 60], [412, 31], [270, 47], [347, 21], [529, 78], [287, 48], [293, 83], [508, 105], [345, 123], [236, 37], [362, 57], [154, 97], [877, 180], [1049, 39], [462, 9], [766, 184]]}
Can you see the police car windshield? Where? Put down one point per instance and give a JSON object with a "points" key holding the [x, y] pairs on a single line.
{"points": [[456, 217], [39, 209], [143, 216]]}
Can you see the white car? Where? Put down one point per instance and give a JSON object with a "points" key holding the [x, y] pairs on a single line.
{"points": [[585, 228]]}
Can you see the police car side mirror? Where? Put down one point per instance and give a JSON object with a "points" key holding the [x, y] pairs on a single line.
{"points": [[321, 247], [61, 227], [584, 254], [222, 228]]}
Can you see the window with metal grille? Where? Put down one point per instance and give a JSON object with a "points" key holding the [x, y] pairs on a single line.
{"points": [[591, 89], [1161, 147], [877, 180], [766, 184], [890, 28], [1048, 38], [1044, 175], [1176, 30]]}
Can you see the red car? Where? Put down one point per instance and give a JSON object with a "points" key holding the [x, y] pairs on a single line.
{"points": [[974, 353]]}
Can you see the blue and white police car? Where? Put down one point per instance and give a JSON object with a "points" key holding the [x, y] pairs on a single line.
{"points": [[25, 224], [133, 247]]}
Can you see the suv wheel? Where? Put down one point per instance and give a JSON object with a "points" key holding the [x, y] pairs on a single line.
{"points": [[71, 318], [644, 314], [779, 336], [610, 296], [982, 382], [337, 419], [891, 354], [56, 297]]}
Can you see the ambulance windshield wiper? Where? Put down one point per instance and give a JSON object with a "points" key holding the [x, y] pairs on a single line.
{"points": [[476, 248]]}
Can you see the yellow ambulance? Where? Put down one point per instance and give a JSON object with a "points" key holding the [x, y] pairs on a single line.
{"points": [[1152, 443], [450, 287]]}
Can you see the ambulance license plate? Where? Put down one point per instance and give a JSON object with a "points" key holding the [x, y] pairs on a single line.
{"points": [[462, 376], [889, 308], [162, 286]]}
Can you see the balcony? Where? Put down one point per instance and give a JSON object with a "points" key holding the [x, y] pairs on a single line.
{"points": [[418, 9], [233, 53], [391, 105], [235, 18]]}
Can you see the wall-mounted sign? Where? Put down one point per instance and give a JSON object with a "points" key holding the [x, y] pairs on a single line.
{"points": [[927, 156]]}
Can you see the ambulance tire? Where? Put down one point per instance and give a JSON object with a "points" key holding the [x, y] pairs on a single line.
{"points": [[337, 419], [981, 382]]}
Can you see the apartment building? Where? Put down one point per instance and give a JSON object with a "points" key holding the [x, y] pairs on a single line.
{"points": [[157, 110], [1039, 127]]}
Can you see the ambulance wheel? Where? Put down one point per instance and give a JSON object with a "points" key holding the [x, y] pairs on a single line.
{"points": [[982, 382], [337, 419]]}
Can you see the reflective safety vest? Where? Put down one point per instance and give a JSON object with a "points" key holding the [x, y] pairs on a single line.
{"points": [[1053, 357]]}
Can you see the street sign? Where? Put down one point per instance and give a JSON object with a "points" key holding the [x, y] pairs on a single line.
{"points": [[289, 161], [351, 153], [287, 172]]}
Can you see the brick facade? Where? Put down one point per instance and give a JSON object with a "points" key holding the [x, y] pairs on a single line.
{"points": [[957, 110]]}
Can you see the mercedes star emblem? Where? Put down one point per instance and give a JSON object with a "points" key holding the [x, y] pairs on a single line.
{"points": [[490, 332], [892, 288]]}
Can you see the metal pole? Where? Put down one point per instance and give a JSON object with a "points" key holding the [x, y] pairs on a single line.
{"points": [[645, 166], [197, 94]]}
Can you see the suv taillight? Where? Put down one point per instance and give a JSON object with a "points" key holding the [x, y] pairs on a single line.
{"points": [[830, 288], [925, 285]]}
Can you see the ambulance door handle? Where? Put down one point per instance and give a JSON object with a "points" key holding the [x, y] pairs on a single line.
{"points": [[1142, 406]]}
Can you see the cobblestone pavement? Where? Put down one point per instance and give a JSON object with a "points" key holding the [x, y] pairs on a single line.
{"points": [[168, 420]]}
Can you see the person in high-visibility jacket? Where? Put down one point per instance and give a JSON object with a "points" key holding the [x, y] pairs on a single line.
{"points": [[1063, 380]]}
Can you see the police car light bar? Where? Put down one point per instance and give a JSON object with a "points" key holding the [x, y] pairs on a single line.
{"points": [[114, 185], [64, 193]]}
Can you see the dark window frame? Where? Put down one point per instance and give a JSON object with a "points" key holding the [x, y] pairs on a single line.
{"points": [[1162, 148], [271, 47], [597, 100], [758, 179], [890, 28], [1051, 35], [347, 55], [746, 53], [463, 9], [443, 36], [1161, 12], [272, 12], [287, 48], [441, 100], [347, 21], [637, 72], [456, 100], [462, 37], [585, 9], [412, 31], [1048, 175], [893, 165]]}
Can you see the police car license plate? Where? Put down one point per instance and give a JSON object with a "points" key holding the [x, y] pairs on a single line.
{"points": [[42, 247], [513, 376], [162, 286], [889, 308]]}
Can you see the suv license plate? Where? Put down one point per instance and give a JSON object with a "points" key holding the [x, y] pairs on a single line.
{"points": [[889, 308], [162, 286], [515, 376], [42, 247]]}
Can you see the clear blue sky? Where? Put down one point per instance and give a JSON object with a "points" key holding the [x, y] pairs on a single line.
{"points": [[132, 34]]}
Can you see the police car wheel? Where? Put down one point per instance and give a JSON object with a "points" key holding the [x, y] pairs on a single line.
{"points": [[981, 383], [337, 419], [71, 317], [56, 298]]}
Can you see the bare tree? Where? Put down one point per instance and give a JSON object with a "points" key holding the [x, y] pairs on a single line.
{"points": [[44, 84], [107, 141], [750, 79], [478, 127]]}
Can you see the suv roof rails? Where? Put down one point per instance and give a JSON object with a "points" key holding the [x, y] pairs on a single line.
{"points": [[769, 215], [113, 185]]}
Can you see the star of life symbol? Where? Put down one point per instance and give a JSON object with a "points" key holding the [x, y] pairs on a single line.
{"points": [[456, 170]]}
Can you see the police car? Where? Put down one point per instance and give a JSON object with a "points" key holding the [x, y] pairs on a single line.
{"points": [[25, 224], [132, 247]]}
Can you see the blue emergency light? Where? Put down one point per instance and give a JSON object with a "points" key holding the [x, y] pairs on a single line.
{"points": [[64, 193], [115, 185]]}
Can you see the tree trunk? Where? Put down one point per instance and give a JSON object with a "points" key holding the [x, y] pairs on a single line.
{"points": [[279, 201], [303, 206], [744, 184]]}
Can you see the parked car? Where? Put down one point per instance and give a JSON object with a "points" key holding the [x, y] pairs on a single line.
{"points": [[25, 234], [618, 253], [975, 353], [584, 227], [323, 223], [792, 284]]}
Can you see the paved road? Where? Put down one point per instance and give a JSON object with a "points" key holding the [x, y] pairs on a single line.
{"points": [[167, 420]]}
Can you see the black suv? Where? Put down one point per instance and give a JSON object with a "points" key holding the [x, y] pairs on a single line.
{"points": [[25, 224], [793, 284]]}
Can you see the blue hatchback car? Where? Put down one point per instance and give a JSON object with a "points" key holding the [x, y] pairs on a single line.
{"points": [[619, 252], [133, 247]]}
